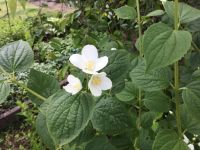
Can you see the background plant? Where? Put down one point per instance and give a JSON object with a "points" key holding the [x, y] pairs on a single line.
{"points": [[155, 96]]}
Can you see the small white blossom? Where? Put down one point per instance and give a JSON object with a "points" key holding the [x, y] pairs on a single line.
{"points": [[113, 49], [186, 140], [88, 61], [99, 82], [110, 13], [74, 85], [191, 146]]}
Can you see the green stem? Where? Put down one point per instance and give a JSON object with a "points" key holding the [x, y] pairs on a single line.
{"points": [[139, 25], [140, 107], [140, 49], [9, 23], [176, 73], [29, 90], [177, 98]]}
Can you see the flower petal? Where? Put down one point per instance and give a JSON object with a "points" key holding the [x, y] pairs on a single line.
{"points": [[72, 79], [89, 72], [101, 63], [95, 90], [89, 52], [70, 89], [76, 60], [106, 83]]}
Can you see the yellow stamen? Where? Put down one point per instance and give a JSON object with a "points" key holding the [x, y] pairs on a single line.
{"points": [[77, 86], [96, 80], [90, 65]]}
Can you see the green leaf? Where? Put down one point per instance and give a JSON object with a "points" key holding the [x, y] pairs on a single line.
{"points": [[163, 46], [117, 68], [146, 138], [187, 13], [125, 12], [168, 140], [155, 13], [85, 136], [194, 60], [12, 5], [110, 116], [44, 106], [150, 81], [193, 27], [129, 93], [157, 101], [16, 56], [123, 141], [43, 132], [68, 115], [4, 89], [43, 84], [188, 122], [191, 98], [100, 143], [147, 119]]}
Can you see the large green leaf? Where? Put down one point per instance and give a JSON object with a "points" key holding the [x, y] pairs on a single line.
{"points": [[100, 143], [12, 4], [16, 56], [68, 115], [117, 68], [150, 81], [146, 138], [44, 106], [157, 101], [188, 122], [187, 13], [110, 116], [163, 46], [129, 93], [155, 13], [4, 89], [85, 136], [191, 98], [168, 140], [125, 12], [43, 132], [147, 119], [43, 84], [123, 141]]}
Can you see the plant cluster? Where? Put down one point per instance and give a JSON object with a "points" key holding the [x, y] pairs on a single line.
{"points": [[117, 98]]}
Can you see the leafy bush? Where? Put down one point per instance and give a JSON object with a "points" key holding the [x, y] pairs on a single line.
{"points": [[114, 97], [18, 31]]}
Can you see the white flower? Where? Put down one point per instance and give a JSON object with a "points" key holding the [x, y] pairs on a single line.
{"points": [[99, 82], [185, 139], [191, 146], [74, 85], [88, 61], [113, 49]]}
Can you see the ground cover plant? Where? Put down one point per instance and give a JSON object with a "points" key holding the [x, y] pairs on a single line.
{"points": [[131, 73]]}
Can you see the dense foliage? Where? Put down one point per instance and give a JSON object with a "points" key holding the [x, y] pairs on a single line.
{"points": [[131, 72]]}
